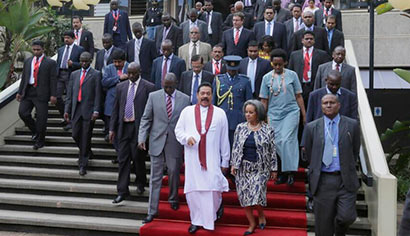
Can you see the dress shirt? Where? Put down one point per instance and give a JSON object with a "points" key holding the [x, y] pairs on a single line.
{"points": [[209, 22], [249, 71], [191, 24], [311, 28], [172, 99], [335, 165], [234, 32], [70, 48], [168, 62], [310, 51], [193, 93], [329, 35], [165, 32], [334, 66], [338, 92], [77, 40], [296, 22], [272, 25], [33, 62], [135, 93]]}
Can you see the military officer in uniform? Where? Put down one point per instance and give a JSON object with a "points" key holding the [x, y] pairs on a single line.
{"points": [[231, 91]]}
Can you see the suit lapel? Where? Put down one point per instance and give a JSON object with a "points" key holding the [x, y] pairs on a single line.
{"points": [[321, 134], [73, 51], [163, 104], [141, 86], [342, 129], [88, 75]]}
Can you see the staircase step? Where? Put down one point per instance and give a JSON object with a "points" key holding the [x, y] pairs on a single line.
{"points": [[361, 223], [54, 161], [53, 131], [106, 152], [62, 141], [70, 221], [56, 122]]}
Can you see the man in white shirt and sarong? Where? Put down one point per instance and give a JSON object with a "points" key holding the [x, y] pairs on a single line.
{"points": [[203, 130]]}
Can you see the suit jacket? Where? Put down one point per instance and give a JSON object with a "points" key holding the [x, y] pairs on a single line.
{"points": [[174, 34], [348, 76], [46, 79], [185, 84], [296, 63], [109, 80], [241, 49], [74, 57], [247, 21], [262, 68], [123, 25], [140, 100], [177, 66], [209, 67], [260, 8], [90, 93], [155, 123], [87, 41], [99, 59], [205, 50], [147, 54], [279, 33], [203, 29], [338, 39], [216, 26], [320, 39], [289, 31], [283, 15], [348, 104], [319, 18], [349, 146]]}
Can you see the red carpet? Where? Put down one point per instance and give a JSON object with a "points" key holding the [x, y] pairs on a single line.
{"points": [[285, 213]]}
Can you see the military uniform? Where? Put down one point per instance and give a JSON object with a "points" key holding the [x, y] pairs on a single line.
{"points": [[230, 93]]}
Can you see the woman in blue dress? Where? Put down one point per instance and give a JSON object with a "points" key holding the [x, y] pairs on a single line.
{"points": [[281, 93]]}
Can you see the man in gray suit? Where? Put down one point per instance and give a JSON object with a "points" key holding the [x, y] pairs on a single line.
{"points": [[193, 21], [348, 72], [158, 121], [293, 24], [195, 47], [332, 146], [281, 14]]}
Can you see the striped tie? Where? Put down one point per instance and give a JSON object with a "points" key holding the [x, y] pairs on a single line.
{"points": [[169, 106]]}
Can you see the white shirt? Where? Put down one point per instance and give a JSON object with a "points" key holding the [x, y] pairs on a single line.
{"points": [[168, 62], [193, 93], [77, 40], [252, 76], [33, 62], [210, 20], [234, 32], [191, 24], [338, 93], [219, 66], [296, 22], [310, 51], [272, 25], [334, 66], [70, 48], [135, 92]]}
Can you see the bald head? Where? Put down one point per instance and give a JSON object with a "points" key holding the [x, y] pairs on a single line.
{"points": [[169, 83], [308, 18], [333, 81], [339, 54], [133, 71]]}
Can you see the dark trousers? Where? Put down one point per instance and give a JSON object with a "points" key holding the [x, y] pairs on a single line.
{"points": [[118, 43], [335, 207], [62, 84], [82, 133], [26, 106], [107, 120], [405, 220], [127, 153]]}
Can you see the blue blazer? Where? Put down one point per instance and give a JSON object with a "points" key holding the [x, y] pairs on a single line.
{"points": [[262, 68], [177, 67], [109, 81], [279, 34], [123, 25], [348, 104], [229, 46], [74, 57], [148, 53]]}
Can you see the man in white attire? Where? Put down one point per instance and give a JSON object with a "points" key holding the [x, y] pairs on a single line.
{"points": [[206, 158]]}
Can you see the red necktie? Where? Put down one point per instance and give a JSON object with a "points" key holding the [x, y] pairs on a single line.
{"points": [[337, 67], [169, 106], [164, 69], [81, 84], [35, 71], [119, 72], [217, 71], [306, 67], [236, 37]]}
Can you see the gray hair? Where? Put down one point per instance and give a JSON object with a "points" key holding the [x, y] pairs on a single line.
{"points": [[332, 96], [259, 108]]}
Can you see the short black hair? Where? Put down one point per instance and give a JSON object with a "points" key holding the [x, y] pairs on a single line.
{"points": [[253, 43], [309, 32], [240, 14], [279, 52], [219, 45], [268, 7], [211, 1], [37, 42], [78, 17], [118, 54], [269, 40], [197, 58], [204, 84], [330, 17], [69, 33], [296, 5]]}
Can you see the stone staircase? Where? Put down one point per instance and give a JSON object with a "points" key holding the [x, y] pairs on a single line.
{"points": [[41, 191]]}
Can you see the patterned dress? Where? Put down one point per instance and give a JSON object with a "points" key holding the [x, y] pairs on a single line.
{"points": [[252, 176]]}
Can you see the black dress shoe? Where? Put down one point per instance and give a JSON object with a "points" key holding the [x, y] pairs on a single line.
{"points": [[174, 206], [281, 180], [67, 127], [309, 205], [220, 211], [114, 161], [34, 137], [193, 228], [290, 180], [262, 226], [83, 171], [107, 138], [38, 145], [119, 199], [148, 219], [140, 189], [63, 123], [248, 232]]}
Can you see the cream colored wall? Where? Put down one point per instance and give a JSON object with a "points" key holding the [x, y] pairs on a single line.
{"points": [[9, 114]]}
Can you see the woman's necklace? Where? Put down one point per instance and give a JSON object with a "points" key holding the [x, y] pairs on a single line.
{"points": [[254, 127], [280, 82]]}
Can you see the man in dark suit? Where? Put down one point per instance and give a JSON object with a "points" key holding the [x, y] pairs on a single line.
{"points": [[270, 27], [348, 72], [260, 6], [104, 56], [158, 122], [168, 62], [82, 106], [129, 105], [117, 24], [347, 99], [141, 50], [194, 21], [168, 31], [248, 20], [335, 37], [327, 10], [249, 6], [214, 23], [293, 24], [320, 34], [37, 87], [332, 145], [281, 14], [68, 60], [152, 18], [190, 80], [254, 67], [305, 63], [216, 66], [235, 40], [83, 38]]}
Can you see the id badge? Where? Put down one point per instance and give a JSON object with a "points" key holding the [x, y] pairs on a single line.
{"points": [[309, 74], [334, 151], [114, 28], [152, 20]]}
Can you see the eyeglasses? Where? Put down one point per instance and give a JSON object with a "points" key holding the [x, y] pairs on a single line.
{"points": [[194, 32]]}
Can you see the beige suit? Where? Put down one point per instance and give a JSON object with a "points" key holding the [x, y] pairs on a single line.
{"points": [[204, 51]]}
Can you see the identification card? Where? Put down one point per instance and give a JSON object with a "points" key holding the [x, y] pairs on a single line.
{"points": [[114, 28], [309, 74], [334, 151], [152, 20]]}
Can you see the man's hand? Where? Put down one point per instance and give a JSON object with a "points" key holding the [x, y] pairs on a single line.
{"points": [[53, 100], [70, 63], [142, 146], [111, 136], [123, 77], [66, 117], [94, 116], [224, 170], [233, 171], [191, 141], [273, 175], [18, 97]]}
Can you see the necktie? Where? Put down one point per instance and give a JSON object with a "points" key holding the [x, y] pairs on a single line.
{"points": [[164, 69], [169, 106], [237, 37], [268, 28], [76, 36], [106, 56], [217, 70], [194, 89], [119, 72], [164, 34], [81, 85], [137, 52], [296, 25], [207, 17], [128, 113], [327, 12], [338, 67], [194, 51], [328, 150], [306, 67], [65, 58], [35, 70], [251, 73]]}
